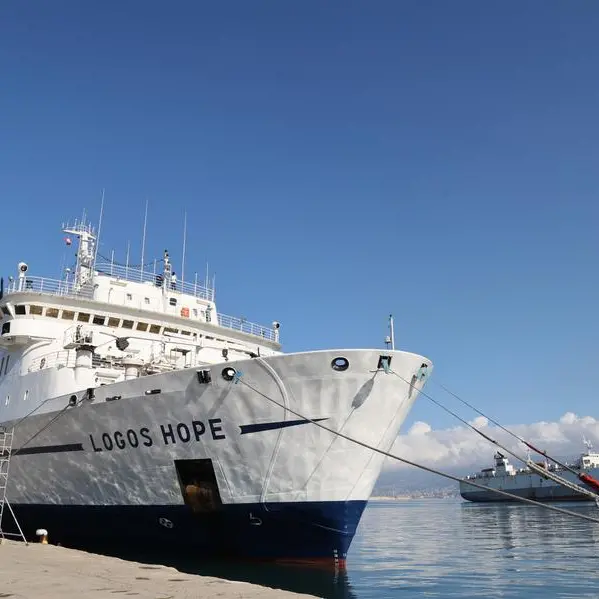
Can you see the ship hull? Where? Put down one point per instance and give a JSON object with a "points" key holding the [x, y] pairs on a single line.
{"points": [[542, 495], [221, 467], [308, 533]]}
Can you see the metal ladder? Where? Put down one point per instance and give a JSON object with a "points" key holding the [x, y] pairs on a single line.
{"points": [[6, 439]]}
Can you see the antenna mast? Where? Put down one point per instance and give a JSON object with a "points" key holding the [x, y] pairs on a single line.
{"points": [[184, 241], [392, 332], [143, 242], [99, 231], [127, 262]]}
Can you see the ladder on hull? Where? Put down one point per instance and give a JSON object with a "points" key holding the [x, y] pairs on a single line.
{"points": [[6, 439]]}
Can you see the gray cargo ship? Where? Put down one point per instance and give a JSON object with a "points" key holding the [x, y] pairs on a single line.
{"points": [[529, 484]]}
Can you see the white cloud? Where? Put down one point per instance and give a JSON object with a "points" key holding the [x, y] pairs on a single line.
{"points": [[460, 447], [420, 428], [480, 422]]}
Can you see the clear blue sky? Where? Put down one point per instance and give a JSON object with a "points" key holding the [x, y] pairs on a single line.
{"points": [[338, 161]]}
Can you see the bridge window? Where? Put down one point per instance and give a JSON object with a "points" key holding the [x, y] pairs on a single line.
{"points": [[83, 317], [155, 328], [172, 301], [169, 330], [113, 322], [127, 324], [142, 326], [185, 332], [66, 314], [99, 319], [52, 312], [6, 328], [37, 310], [20, 310]]}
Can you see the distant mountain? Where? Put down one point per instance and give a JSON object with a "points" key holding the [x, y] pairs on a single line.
{"points": [[408, 481]]}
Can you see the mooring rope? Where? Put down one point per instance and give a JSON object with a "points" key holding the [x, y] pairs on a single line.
{"points": [[553, 508], [503, 428], [528, 462]]}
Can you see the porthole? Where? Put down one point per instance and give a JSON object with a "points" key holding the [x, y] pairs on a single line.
{"points": [[229, 373], [340, 364]]}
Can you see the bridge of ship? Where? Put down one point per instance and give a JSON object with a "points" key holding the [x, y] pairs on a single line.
{"points": [[123, 274]]}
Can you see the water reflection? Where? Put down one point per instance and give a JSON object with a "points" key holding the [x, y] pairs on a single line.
{"points": [[313, 581], [449, 548]]}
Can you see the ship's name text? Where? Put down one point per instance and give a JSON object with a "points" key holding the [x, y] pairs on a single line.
{"points": [[166, 434]]}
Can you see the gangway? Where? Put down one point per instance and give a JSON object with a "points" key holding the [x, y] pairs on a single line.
{"points": [[6, 439]]}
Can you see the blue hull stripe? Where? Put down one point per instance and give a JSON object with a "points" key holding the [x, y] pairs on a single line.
{"points": [[270, 426], [48, 449], [273, 531]]}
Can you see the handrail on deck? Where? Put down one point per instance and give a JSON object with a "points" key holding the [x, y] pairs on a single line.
{"points": [[49, 286], [251, 328], [137, 275], [67, 289]]}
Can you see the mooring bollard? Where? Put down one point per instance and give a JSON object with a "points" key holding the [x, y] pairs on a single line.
{"points": [[42, 533]]}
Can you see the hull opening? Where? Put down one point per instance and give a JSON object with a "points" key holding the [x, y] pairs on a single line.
{"points": [[199, 486]]}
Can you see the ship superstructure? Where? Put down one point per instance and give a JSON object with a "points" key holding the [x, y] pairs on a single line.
{"points": [[142, 414]]}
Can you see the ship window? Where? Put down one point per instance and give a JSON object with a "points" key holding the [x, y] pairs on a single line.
{"points": [[209, 337], [127, 324], [37, 310], [147, 300], [185, 332], [113, 322], [195, 312], [5, 311], [52, 312], [83, 317], [129, 297], [66, 314], [7, 401], [155, 328], [142, 326], [169, 330], [1, 365], [99, 319], [6, 364], [172, 301], [26, 395], [6, 328], [20, 309]]}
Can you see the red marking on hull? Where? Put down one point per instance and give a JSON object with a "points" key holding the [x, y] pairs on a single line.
{"points": [[321, 563]]}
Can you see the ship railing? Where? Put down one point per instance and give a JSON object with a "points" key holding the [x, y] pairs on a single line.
{"points": [[137, 275], [63, 358], [48, 286], [251, 328]]}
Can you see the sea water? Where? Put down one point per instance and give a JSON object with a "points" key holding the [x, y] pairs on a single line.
{"points": [[443, 548]]}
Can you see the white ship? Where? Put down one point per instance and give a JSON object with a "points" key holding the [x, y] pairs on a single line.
{"points": [[524, 482], [143, 415]]}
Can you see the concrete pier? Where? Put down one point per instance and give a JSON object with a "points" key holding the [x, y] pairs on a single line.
{"points": [[51, 572]]}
